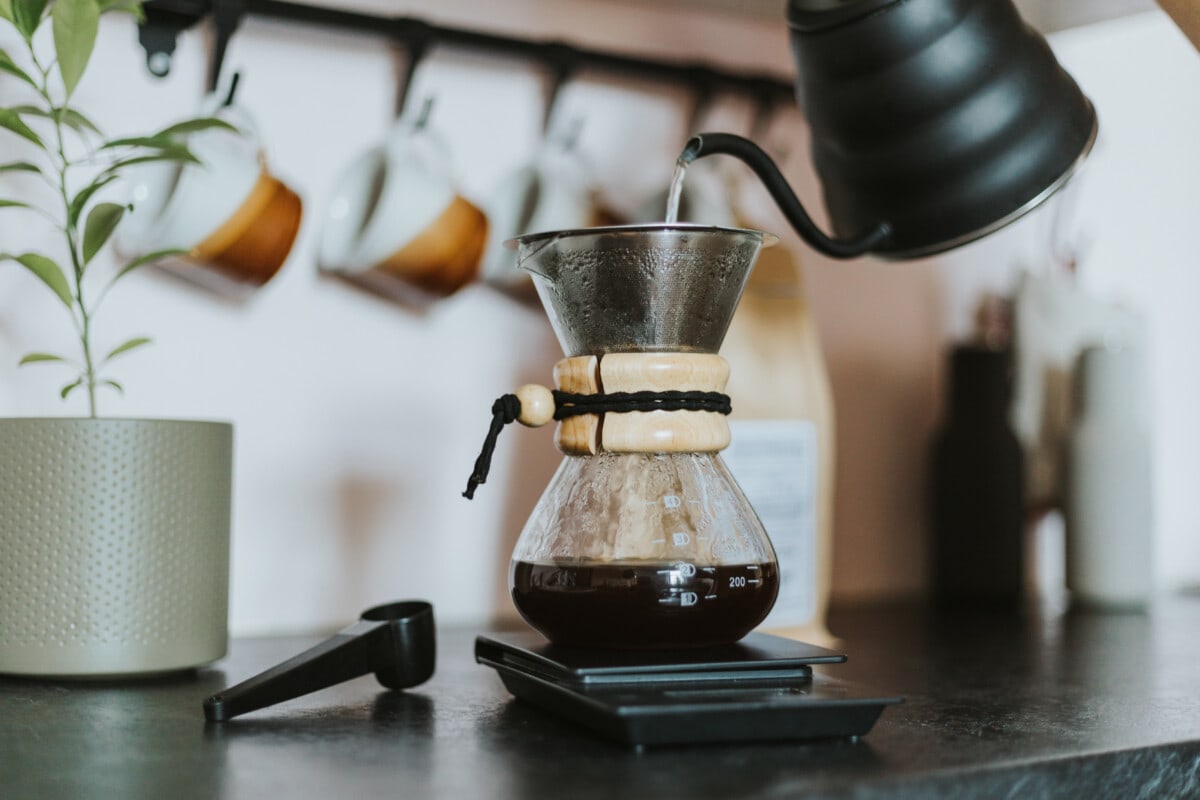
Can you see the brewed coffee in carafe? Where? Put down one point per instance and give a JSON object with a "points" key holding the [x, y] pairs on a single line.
{"points": [[642, 538]]}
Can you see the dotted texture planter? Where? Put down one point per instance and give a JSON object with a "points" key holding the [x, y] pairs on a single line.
{"points": [[114, 545]]}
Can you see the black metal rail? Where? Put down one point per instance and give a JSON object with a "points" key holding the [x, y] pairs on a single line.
{"points": [[165, 18]]}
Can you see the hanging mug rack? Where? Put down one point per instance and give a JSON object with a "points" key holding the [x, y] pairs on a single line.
{"points": [[411, 39], [165, 19]]}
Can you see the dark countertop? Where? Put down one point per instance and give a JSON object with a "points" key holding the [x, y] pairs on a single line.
{"points": [[1035, 706]]}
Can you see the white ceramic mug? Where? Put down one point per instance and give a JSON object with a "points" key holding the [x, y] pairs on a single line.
{"points": [[395, 218], [228, 212], [552, 192]]}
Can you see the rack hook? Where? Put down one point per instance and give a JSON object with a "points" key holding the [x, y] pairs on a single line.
{"points": [[562, 60], [227, 16], [415, 37], [766, 105], [422, 118], [569, 138], [764, 112], [232, 92], [702, 80], [162, 22]]}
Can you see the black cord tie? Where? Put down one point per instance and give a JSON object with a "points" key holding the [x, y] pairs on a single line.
{"points": [[568, 404], [507, 409]]}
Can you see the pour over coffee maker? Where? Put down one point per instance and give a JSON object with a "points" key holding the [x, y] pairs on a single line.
{"points": [[643, 564], [642, 538]]}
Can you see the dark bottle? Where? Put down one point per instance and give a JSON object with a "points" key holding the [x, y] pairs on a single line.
{"points": [[978, 487]]}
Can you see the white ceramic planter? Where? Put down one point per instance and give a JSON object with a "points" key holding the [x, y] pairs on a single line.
{"points": [[114, 545]]}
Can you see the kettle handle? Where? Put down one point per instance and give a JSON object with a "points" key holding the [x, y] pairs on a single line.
{"points": [[707, 144]]}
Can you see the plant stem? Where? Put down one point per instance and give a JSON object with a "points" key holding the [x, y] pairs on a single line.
{"points": [[85, 337], [71, 228]]}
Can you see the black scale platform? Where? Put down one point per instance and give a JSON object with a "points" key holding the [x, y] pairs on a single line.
{"points": [[761, 688]]}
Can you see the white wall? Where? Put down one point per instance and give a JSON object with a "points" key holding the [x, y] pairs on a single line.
{"points": [[358, 421]]}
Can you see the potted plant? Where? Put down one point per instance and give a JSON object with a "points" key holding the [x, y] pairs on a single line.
{"points": [[114, 533]]}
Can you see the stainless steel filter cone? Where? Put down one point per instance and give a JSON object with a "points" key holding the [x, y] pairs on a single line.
{"points": [[641, 288]]}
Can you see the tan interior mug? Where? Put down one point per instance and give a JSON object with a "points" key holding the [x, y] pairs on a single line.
{"points": [[229, 212], [397, 224]]}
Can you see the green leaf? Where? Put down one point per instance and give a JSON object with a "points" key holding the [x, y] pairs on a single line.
{"points": [[67, 116], [102, 220], [19, 166], [179, 153], [70, 387], [78, 122], [9, 66], [27, 15], [156, 142], [6, 10], [139, 341], [128, 6], [195, 126], [13, 204], [185, 157], [31, 358], [76, 23], [10, 120], [48, 271], [81, 198], [146, 259], [120, 389]]}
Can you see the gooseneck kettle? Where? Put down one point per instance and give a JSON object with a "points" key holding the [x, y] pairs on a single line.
{"points": [[934, 123]]}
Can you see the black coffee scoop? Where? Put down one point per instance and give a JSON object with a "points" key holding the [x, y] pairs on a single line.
{"points": [[395, 641]]}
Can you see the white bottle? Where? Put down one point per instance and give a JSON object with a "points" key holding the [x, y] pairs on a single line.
{"points": [[1109, 489], [782, 438]]}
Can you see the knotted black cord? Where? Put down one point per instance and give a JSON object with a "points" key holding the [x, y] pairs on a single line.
{"points": [[506, 409], [568, 404]]}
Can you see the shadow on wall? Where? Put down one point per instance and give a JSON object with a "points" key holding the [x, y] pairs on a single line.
{"points": [[885, 371]]}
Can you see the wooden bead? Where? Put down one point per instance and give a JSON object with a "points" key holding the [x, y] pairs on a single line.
{"points": [[537, 405]]}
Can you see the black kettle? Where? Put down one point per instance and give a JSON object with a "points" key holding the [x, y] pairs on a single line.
{"points": [[934, 123]]}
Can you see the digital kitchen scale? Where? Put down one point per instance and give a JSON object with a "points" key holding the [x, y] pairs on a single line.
{"points": [[761, 688]]}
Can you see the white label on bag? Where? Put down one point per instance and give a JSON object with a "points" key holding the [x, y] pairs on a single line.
{"points": [[775, 463]]}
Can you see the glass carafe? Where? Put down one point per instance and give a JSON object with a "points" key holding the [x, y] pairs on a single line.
{"points": [[642, 538]]}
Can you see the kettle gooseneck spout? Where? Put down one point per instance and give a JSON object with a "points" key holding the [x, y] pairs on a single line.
{"points": [[707, 144]]}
